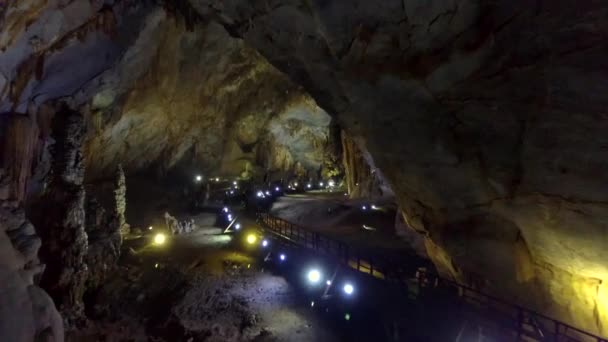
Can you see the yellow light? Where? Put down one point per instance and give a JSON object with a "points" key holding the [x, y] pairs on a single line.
{"points": [[251, 239], [159, 239]]}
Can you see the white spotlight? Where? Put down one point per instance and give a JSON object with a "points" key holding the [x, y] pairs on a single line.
{"points": [[232, 192], [267, 193], [225, 209], [282, 257], [308, 186], [331, 183], [295, 184], [328, 282], [199, 178], [321, 184], [348, 289], [237, 226], [264, 243], [229, 217], [150, 228], [234, 183], [260, 194], [314, 276], [363, 207]]}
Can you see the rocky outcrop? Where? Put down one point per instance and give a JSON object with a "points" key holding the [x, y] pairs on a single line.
{"points": [[486, 117], [27, 313], [60, 217]]}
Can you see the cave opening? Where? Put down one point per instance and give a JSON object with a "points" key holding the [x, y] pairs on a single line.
{"points": [[303, 170]]}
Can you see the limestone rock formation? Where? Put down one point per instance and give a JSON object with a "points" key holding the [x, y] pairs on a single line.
{"points": [[104, 241], [27, 313], [60, 217], [120, 201], [486, 117]]}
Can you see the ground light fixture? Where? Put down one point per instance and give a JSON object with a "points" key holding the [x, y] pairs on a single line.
{"points": [[159, 239], [314, 276], [348, 288], [251, 239]]}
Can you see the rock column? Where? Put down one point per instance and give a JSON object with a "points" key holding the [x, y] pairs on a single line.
{"points": [[120, 198], [62, 221]]}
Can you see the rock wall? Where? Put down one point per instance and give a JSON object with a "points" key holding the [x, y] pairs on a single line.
{"points": [[487, 118], [27, 313], [362, 177]]}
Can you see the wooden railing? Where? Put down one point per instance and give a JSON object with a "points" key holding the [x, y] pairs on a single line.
{"points": [[513, 321]]}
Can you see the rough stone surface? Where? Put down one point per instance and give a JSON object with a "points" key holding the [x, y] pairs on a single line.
{"points": [[487, 118], [60, 217], [104, 242], [26, 312], [120, 201]]}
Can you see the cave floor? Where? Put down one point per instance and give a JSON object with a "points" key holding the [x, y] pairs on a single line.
{"points": [[203, 286], [198, 286], [335, 215]]}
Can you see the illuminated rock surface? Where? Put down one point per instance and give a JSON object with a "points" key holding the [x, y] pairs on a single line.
{"points": [[487, 118]]}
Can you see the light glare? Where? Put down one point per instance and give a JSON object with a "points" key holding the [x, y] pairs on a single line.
{"points": [[159, 239], [251, 239], [314, 276], [348, 289]]}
